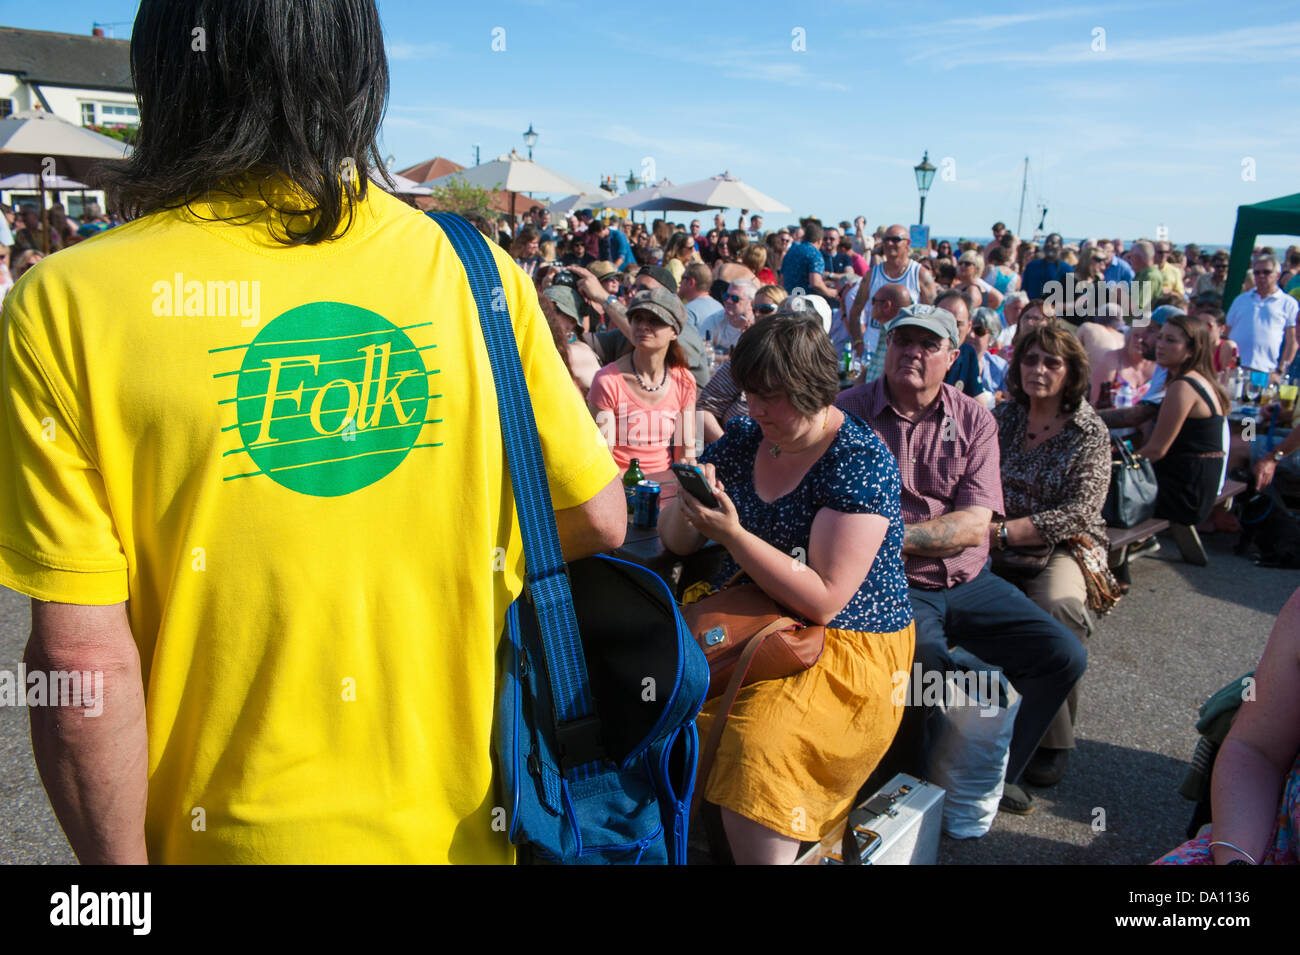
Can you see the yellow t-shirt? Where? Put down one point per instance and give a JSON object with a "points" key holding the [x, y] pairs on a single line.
{"points": [[317, 581]]}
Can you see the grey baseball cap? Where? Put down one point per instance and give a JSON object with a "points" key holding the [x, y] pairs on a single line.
{"points": [[662, 304], [940, 321], [566, 300]]}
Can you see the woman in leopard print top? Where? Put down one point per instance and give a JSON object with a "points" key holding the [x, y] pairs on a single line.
{"points": [[1055, 472]]}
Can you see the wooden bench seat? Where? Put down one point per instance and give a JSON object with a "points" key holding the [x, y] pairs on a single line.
{"points": [[1121, 537], [1184, 535]]}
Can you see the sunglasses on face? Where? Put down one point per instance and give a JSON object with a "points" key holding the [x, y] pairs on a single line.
{"points": [[764, 309], [1263, 271], [930, 346], [980, 330], [895, 238], [732, 298]]}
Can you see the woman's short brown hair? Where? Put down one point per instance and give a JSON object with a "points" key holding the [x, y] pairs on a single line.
{"points": [[789, 354], [1052, 340]]}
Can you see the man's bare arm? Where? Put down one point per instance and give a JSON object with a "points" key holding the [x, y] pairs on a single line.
{"points": [[818, 283], [596, 526], [1289, 346], [948, 535], [929, 290], [853, 323], [95, 767]]}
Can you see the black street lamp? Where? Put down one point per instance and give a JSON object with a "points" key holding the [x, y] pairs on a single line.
{"points": [[924, 176], [530, 139]]}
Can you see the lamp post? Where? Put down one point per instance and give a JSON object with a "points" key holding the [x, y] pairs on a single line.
{"points": [[924, 176], [632, 183], [530, 139]]}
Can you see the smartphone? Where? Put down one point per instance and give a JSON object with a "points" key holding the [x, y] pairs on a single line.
{"points": [[692, 480]]}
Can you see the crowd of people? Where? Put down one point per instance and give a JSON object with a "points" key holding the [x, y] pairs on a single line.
{"points": [[25, 238], [947, 416], [908, 446]]}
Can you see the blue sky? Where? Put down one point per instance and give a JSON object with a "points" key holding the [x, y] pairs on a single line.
{"points": [[1132, 115]]}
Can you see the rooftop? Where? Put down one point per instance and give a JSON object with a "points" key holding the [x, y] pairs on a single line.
{"points": [[66, 59]]}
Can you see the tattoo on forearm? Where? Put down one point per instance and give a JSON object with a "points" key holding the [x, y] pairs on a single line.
{"points": [[941, 536]]}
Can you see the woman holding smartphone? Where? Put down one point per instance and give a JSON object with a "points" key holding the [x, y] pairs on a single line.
{"points": [[808, 508]]}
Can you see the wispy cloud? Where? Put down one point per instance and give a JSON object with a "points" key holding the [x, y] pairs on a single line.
{"points": [[944, 26], [1248, 45]]}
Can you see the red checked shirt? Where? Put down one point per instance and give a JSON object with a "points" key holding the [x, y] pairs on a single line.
{"points": [[948, 459]]}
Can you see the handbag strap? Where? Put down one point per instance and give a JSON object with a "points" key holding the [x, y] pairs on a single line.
{"points": [[1125, 454], [546, 581], [726, 701]]}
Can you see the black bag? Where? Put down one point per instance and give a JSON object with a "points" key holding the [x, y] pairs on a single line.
{"points": [[1131, 498], [1021, 561]]}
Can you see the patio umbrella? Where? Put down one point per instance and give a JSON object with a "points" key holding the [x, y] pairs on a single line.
{"points": [[665, 203], [405, 187], [30, 137], [724, 191], [514, 173], [630, 200], [595, 200], [29, 180]]}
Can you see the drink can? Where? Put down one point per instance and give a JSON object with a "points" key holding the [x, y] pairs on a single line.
{"points": [[645, 504]]}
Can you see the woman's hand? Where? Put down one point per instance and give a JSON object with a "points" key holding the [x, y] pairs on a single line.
{"points": [[720, 523]]}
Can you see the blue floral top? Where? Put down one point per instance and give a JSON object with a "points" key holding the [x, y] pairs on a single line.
{"points": [[856, 475]]}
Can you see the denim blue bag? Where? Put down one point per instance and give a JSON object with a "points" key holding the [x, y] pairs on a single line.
{"points": [[599, 679]]}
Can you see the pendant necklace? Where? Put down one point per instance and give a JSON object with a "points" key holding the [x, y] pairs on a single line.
{"points": [[776, 450], [1046, 428], [632, 359]]}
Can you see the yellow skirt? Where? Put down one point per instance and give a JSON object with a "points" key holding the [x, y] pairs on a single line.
{"points": [[795, 751]]}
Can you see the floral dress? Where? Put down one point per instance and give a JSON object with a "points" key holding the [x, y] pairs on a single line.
{"points": [[795, 751], [1284, 849]]}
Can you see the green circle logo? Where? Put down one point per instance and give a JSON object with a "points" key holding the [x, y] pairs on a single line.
{"points": [[331, 398]]}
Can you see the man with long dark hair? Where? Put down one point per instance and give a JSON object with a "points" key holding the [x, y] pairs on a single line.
{"points": [[256, 479]]}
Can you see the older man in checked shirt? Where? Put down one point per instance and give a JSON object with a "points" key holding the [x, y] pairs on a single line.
{"points": [[947, 450]]}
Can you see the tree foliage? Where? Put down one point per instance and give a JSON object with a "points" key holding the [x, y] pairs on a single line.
{"points": [[459, 196]]}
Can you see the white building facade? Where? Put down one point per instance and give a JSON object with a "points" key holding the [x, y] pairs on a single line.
{"points": [[83, 79]]}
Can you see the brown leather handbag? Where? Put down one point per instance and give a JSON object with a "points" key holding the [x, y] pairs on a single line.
{"points": [[746, 637]]}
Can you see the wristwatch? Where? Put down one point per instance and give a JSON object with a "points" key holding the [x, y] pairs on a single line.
{"points": [[1277, 456], [611, 300], [1002, 535]]}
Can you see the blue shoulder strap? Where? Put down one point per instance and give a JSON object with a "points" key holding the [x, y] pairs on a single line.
{"points": [[546, 579]]}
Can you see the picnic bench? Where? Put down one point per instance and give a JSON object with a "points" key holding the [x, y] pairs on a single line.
{"points": [[1184, 535]]}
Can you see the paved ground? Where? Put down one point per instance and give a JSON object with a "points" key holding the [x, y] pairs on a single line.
{"points": [[1181, 633]]}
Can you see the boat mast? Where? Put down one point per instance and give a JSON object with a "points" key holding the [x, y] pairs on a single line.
{"points": [[1024, 185]]}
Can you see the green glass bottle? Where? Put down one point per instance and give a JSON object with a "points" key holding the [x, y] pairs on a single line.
{"points": [[633, 476]]}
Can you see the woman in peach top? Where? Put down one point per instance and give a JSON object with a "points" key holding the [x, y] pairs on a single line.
{"points": [[644, 402]]}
